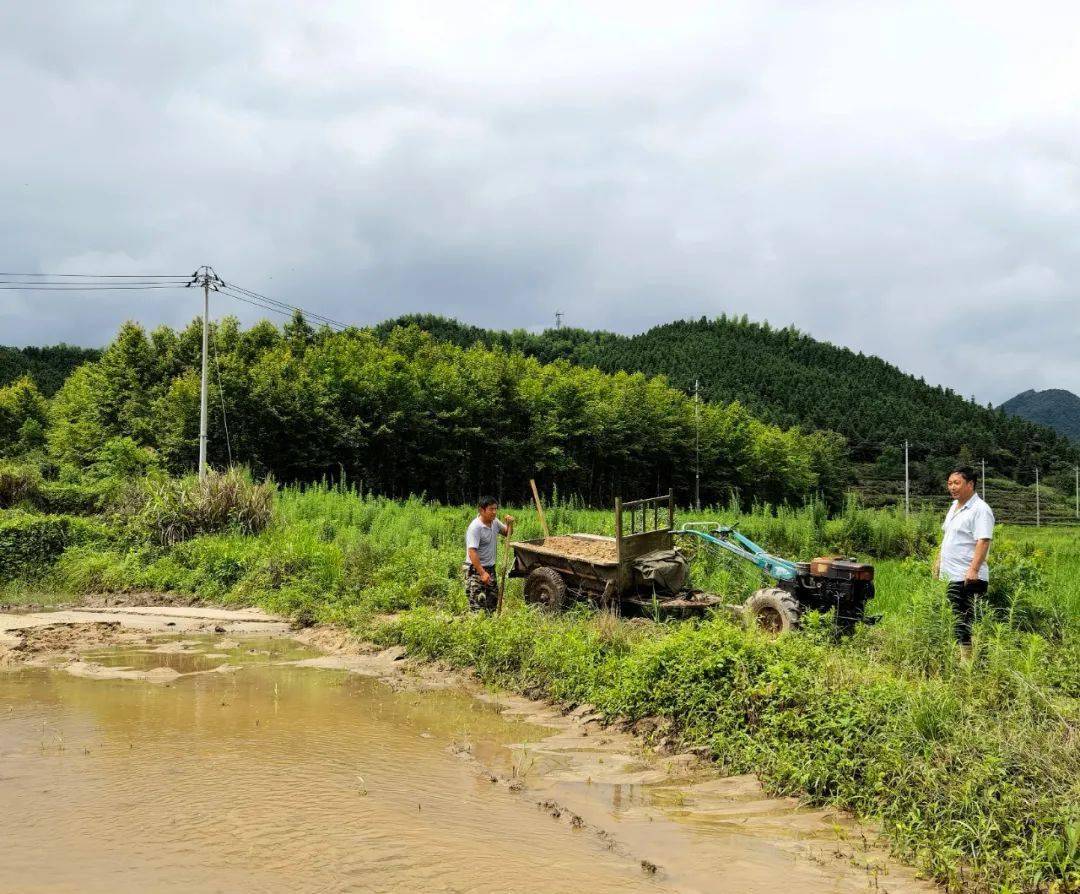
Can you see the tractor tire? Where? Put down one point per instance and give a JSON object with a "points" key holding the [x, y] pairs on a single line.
{"points": [[545, 587], [773, 610]]}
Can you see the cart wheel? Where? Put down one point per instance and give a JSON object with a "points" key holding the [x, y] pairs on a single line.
{"points": [[545, 587], [773, 610]]}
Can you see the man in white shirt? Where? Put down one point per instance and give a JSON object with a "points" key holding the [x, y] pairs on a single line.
{"points": [[480, 543], [965, 543]]}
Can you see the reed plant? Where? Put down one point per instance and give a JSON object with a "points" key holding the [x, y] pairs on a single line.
{"points": [[171, 510]]}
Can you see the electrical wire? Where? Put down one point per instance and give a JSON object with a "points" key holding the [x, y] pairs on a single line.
{"points": [[88, 284], [9, 287], [286, 313], [253, 294], [221, 396], [136, 282], [237, 291], [182, 276]]}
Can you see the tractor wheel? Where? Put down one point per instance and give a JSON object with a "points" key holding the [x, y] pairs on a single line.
{"points": [[773, 610], [545, 587]]}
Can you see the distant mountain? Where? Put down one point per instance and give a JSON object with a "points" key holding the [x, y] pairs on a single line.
{"points": [[1055, 408]]}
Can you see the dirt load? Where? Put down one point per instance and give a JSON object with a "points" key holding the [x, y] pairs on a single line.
{"points": [[581, 548]]}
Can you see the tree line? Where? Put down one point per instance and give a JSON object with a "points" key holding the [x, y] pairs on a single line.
{"points": [[47, 366], [402, 411], [787, 378]]}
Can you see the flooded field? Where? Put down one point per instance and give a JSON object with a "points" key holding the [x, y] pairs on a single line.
{"points": [[243, 762]]}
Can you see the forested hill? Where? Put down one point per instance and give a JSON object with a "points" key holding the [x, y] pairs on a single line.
{"points": [[1057, 408], [47, 366], [789, 378]]}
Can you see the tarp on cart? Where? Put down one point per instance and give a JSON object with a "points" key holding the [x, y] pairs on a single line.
{"points": [[663, 571]]}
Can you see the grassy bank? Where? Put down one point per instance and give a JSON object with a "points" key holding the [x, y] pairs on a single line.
{"points": [[971, 767], [971, 770]]}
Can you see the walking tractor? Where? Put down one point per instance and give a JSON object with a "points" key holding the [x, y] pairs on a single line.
{"points": [[640, 570], [823, 584]]}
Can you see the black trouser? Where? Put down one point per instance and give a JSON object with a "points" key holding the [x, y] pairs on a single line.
{"points": [[964, 595]]}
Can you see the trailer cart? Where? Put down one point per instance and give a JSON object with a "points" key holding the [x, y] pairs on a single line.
{"points": [[637, 570]]}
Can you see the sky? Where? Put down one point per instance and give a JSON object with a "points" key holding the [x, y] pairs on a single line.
{"points": [[899, 178]]}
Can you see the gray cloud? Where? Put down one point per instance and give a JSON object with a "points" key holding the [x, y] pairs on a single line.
{"points": [[903, 179]]}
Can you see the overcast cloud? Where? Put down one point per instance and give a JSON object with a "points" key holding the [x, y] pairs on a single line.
{"points": [[901, 178]]}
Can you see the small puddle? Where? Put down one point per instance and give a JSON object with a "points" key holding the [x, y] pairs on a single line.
{"points": [[218, 763]]}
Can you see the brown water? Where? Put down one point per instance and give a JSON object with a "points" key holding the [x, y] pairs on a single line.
{"points": [[245, 773]]}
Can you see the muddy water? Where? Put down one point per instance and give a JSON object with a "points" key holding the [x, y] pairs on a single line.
{"points": [[211, 764]]}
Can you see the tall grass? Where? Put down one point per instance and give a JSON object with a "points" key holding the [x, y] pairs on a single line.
{"points": [[171, 510]]}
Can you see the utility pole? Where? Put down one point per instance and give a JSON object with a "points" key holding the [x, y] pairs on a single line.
{"points": [[205, 277], [1076, 472], [982, 478], [205, 369], [1038, 511], [907, 482], [697, 449]]}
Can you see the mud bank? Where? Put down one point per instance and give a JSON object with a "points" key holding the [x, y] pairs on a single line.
{"points": [[61, 637], [647, 803]]}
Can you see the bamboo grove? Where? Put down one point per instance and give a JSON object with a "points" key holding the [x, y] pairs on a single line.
{"points": [[401, 412]]}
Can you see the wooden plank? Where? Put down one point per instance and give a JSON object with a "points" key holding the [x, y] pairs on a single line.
{"points": [[539, 508]]}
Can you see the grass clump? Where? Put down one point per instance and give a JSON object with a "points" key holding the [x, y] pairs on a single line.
{"points": [[19, 483], [171, 510]]}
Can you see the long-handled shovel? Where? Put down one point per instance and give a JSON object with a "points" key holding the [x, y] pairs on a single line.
{"points": [[502, 576]]}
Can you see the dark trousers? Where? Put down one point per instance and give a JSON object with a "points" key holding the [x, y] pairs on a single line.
{"points": [[964, 595]]}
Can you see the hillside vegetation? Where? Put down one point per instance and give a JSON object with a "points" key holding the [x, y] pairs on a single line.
{"points": [[47, 367], [788, 378]]}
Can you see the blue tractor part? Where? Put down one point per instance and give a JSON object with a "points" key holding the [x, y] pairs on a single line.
{"points": [[731, 540], [841, 585]]}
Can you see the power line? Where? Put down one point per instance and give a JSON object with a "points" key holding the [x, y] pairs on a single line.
{"points": [[182, 276], [329, 321], [137, 282], [286, 313], [92, 284], [281, 307], [82, 284], [96, 287], [221, 395]]}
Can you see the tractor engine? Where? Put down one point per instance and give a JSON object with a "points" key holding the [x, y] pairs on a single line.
{"points": [[826, 583]]}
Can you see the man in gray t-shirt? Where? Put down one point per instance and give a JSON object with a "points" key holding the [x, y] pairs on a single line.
{"points": [[480, 553]]}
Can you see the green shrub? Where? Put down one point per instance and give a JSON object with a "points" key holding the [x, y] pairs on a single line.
{"points": [[1017, 578], [124, 459], [30, 544], [68, 498], [19, 483]]}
